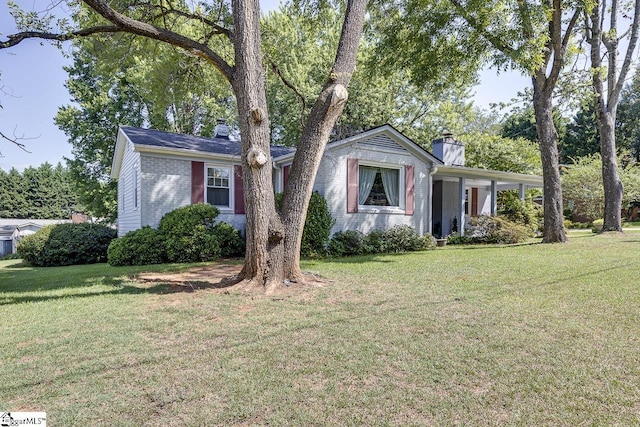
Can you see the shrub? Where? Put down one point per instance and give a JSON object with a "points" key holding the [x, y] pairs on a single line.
{"points": [[402, 238], [229, 240], [67, 244], [189, 233], [10, 256], [317, 225], [374, 242], [493, 229], [139, 247], [344, 243], [456, 239], [519, 211], [597, 225]]}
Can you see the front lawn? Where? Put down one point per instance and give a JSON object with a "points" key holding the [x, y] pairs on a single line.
{"points": [[463, 335]]}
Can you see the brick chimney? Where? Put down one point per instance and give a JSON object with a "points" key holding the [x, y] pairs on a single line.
{"points": [[449, 150], [221, 130]]}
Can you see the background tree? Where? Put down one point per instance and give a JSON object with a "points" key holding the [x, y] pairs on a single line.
{"points": [[530, 36], [45, 192], [608, 81], [628, 117], [582, 137], [299, 46], [487, 151], [583, 188], [114, 81]]}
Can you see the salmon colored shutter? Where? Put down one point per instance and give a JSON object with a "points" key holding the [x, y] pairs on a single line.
{"points": [[238, 190], [197, 182], [409, 186], [285, 177], [474, 201], [352, 185]]}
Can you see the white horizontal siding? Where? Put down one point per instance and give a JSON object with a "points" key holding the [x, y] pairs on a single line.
{"points": [[331, 183], [129, 217]]}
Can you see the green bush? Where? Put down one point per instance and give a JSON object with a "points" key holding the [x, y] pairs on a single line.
{"points": [[493, 229], [229, 240], [597, 225], [401, 238], [374, 242], [140, 247], [345, 243], [189, 233], [10, 256], [456, 239], [519, 211], [67, 244], [317, 225]]}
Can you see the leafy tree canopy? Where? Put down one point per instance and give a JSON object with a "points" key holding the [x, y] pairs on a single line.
{"points": [[45, 192]]}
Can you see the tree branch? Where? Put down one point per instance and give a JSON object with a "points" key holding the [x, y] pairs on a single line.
{"points": [[290, 85], [150, 31], [14, 39], [15, 141]]}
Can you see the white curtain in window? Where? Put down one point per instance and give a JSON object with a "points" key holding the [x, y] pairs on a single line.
{"points": [[391, 187], [366, 176]]}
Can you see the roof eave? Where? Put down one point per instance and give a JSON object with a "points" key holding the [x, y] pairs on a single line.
{"points": [[463, 171]]}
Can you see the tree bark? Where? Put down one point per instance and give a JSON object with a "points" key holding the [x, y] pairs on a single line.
{"points": [[613, 188], [315, 135], [548, 140], [274, 239], [607, 100]]}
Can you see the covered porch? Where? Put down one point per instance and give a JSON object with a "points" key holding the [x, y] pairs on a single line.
{"points": [[459, 193]]}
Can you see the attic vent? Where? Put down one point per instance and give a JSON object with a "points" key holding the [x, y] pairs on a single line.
{"points": [[382, 142], [222, 129]]}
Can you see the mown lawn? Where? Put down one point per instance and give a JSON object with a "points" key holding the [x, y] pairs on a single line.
{"points": [[522, 335]]}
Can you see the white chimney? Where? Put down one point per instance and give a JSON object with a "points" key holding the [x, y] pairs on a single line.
{"points": [[221, 130], [449, 150]]}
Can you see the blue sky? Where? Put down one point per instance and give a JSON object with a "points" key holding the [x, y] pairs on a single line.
{"points": [[33, 91]]}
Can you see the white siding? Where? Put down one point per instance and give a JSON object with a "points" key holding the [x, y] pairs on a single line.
{"points": [[166, 185], [450, 206], [331, 182], [129, 217]]}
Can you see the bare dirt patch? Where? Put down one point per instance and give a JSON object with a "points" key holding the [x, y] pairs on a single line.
{"points": [[221, 278]]}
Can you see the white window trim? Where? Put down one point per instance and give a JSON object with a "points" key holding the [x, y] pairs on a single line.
{"points": [[231, 169], [136, 193], [400, 209]]}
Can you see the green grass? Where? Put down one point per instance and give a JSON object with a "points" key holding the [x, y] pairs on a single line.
{"points": [[463, 335]]}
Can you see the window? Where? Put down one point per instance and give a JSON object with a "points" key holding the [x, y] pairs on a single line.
{"points": [[135, 188], [378, 186], [218, 186]]}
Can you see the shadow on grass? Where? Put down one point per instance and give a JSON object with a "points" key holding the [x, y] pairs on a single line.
{"points": [[22, 283]]}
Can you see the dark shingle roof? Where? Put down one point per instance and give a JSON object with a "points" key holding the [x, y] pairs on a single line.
{"points": [[156, 138]]}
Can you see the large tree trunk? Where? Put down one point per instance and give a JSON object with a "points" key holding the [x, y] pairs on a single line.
{"points": [[548, 140], [315, 135], [274, 239], [264, 232], [613, 189]]}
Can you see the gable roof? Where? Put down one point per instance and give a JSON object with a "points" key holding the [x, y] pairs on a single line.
{"points": [[151, 140], [386, 137]]}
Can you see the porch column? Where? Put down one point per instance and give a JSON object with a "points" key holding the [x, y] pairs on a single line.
{"points": [[494, 197], [521, 192], [430, 202], [461, 202]]}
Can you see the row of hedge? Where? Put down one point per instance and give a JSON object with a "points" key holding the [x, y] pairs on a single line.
{"points": [[187, 234], [401, 238], [492, 229]]}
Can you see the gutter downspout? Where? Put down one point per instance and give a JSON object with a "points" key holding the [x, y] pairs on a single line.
{"points": [[434, 170]]}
